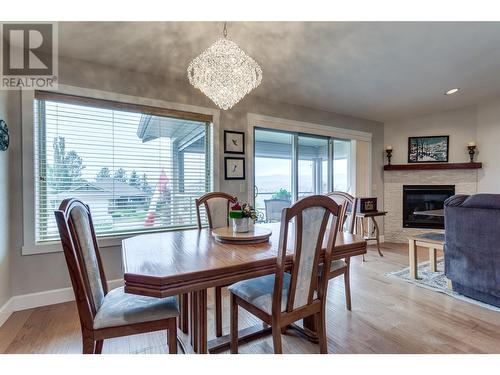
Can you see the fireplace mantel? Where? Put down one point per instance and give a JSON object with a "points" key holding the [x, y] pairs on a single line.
{"points": [[431, 166]]}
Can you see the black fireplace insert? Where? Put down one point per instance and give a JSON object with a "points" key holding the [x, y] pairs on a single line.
{"points": [[424, 198]]}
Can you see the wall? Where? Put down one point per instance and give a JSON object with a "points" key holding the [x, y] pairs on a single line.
{"points": [[459, 124], [5, 289], [488, 139], [48, 271]]}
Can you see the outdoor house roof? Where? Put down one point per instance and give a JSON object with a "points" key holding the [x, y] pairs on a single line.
{"points": [[107, 185]]}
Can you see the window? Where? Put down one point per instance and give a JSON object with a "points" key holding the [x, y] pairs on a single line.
{"points": [[138, 168], [289, 166]]}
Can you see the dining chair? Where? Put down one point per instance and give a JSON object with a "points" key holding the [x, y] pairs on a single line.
{"points": [[106, 314], [217, 210], [284, 297], [342, 266]]}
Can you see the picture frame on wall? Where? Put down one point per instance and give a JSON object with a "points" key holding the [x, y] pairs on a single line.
{"points": [[234, 168], [428, 149], [234, 142]]}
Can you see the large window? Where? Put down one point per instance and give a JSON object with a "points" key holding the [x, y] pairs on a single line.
{"points": [[138, 168], [290, 166]]}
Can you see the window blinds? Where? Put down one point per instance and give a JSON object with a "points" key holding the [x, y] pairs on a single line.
{"points": [[137, 170]]}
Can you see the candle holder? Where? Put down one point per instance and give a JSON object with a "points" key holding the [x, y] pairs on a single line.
{"points": [[472, 151], [389, 156]]}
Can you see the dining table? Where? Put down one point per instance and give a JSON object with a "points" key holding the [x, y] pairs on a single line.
{"points": [[190, 261]]}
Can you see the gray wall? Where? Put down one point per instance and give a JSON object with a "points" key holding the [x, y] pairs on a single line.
{"points": [[488, 140], [480, 123], [48, 271], [459, 124], [5, 290]]}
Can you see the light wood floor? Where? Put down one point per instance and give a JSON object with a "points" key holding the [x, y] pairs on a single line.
{"points": [[388, 316]]}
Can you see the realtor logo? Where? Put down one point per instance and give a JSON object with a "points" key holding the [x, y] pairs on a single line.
{"points": [[29, 56]]}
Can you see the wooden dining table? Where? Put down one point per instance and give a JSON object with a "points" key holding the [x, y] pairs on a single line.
{"points": [[190, 261]]}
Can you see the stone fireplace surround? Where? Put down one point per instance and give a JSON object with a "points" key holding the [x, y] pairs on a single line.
{"points": [[465, 181]]}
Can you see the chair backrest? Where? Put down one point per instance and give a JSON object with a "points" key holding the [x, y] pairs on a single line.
{"points": [[310, 216], [216, 207], [274, 208], [350, 209], [82, 257]]}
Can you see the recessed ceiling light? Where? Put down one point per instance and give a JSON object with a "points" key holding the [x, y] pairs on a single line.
{"points": [[451, 92]]}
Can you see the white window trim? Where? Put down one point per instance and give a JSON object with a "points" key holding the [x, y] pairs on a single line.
{"points": [[268, 122], [30, 246]]}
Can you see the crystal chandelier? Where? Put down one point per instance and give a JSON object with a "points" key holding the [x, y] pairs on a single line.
{"points": [[224, 72]]}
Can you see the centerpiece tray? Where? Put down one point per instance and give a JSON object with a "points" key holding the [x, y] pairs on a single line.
{"points": [[254, 235]]}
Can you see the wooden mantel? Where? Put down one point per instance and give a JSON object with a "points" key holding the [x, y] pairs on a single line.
{"points": [[431, 166]]}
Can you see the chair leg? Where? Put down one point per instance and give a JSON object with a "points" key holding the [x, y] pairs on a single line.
{"points": [[276, 330], [218, 311], [323, 346], [233, 325], [347, 285], [98, 346], [88, 343], [172, 336]]}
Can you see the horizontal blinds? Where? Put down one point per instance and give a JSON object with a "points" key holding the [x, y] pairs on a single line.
{"points": [[136, 170]]}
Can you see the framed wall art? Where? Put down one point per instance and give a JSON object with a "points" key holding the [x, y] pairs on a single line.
{"points": [[234, 142], [433, 149], [234, 168]]}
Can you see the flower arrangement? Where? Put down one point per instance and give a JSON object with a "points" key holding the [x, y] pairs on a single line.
{"points": [[240, 211]]}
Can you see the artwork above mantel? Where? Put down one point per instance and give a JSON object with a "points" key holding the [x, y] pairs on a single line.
{"points": [[431, 166]]}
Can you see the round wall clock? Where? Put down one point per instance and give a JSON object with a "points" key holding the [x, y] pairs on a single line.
{"points": [[4, 136]]}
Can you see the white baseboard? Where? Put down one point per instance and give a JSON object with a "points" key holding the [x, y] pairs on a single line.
{"points": [[374, 242], [47, 297], [5, 311]]}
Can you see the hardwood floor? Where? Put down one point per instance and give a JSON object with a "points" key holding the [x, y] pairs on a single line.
{"points": [[388, 316]]}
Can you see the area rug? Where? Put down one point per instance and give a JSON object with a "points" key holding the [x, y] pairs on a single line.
{"points": [[435, 281]]}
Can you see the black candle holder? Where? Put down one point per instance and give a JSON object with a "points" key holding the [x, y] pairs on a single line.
{"points": [[472, 151], [389, 156]]}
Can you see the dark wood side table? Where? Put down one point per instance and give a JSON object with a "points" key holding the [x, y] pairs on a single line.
{"points": [[360, 216]]}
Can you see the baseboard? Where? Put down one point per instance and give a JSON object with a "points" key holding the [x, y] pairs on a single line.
{"points": [[48, 297], [374, 242], [5, 311]]}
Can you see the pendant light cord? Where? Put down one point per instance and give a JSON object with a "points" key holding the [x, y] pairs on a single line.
{"points": [[224, 32]]}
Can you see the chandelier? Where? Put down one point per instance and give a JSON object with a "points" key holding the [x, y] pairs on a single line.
{"points": [[224, 72]]}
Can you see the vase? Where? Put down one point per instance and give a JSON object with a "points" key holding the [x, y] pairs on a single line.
{"points": [[240, 225]]}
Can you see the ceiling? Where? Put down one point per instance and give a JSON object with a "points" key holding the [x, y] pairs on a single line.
{"points": [[374, 70]]}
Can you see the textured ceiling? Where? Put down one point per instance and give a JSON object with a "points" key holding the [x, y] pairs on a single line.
{"points": [[374, 70]]}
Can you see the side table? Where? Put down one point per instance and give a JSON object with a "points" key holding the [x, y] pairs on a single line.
{"points": [[360, 216]]}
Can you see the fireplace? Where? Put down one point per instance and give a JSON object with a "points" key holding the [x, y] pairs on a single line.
{"points": [[424, 198]]}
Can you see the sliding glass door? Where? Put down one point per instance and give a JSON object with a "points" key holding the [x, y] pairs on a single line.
{"points": [[312, 165], [290, 166], [273, 173]]}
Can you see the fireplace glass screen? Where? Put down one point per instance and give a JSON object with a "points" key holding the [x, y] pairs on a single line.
{"points": [[418, 198]]}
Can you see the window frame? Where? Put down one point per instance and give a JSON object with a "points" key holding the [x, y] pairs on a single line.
{"points": [[256, 121], [30, 246]]}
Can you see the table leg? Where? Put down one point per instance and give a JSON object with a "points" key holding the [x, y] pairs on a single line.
{"points": [[199, 321], [413, 259], [377, 231], [432, 259], [184, 313], [193, 321]]}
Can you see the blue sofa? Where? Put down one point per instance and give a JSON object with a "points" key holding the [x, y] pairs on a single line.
{"points": [[472, 246]]}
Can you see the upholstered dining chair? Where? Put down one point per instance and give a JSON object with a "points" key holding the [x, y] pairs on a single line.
{"points": [[106, 314], [342, 266], [284, 297], [217, 210]]}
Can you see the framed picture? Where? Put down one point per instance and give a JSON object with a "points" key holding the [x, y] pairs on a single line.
{"points": [[234, 168], [433, 149], [234, 142]]}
